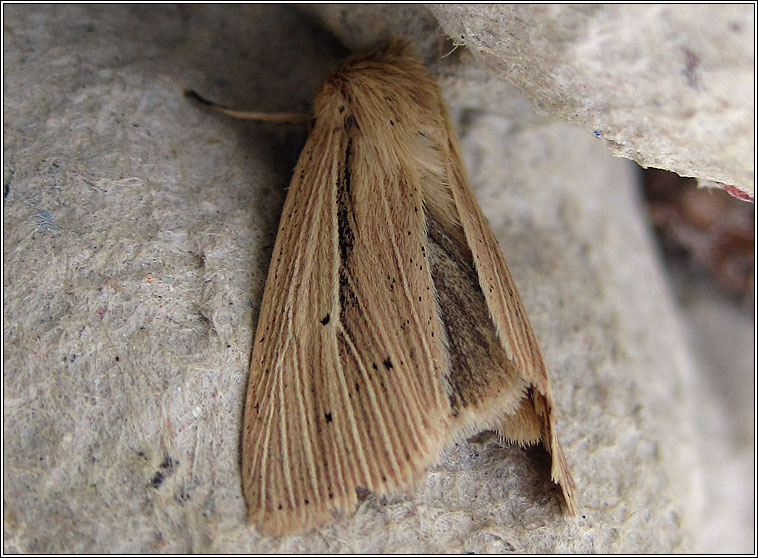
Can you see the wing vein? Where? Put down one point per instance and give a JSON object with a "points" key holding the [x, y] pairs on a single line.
{"points": [[372, 397], [418, 326]]}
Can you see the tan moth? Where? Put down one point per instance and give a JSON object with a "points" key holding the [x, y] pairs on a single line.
{"points": [[390, 326]]}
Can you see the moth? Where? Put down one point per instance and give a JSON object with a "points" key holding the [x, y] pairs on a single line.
{"points": [[390, 326]]}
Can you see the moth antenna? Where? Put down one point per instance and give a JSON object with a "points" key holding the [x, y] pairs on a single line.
{"points": [[249, 115]]}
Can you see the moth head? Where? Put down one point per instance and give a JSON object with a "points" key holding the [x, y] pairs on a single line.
{"points": [[387, 84]]}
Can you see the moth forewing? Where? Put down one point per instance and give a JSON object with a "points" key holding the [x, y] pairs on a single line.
{"points": [[389, 326], [348, 391]]}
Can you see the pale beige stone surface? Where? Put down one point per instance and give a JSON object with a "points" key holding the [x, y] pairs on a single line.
{"points": [[137, 233]]}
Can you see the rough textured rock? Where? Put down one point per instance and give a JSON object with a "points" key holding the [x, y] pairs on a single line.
{"points": [[671, 86], [137, 233]]}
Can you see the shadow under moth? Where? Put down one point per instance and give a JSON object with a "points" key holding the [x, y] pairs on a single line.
{"points": [[390, 326]]}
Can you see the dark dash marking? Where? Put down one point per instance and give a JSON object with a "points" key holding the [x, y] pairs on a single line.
{"points": [[326, 319], [328, 417], [387, 363], [346, 235], [350, 123]]}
